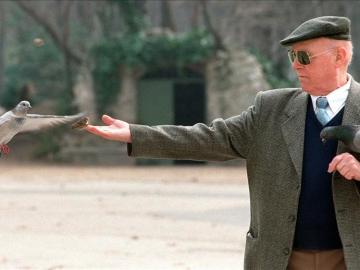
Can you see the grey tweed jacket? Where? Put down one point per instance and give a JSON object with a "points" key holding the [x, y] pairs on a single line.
{"points": [[270, 136]]}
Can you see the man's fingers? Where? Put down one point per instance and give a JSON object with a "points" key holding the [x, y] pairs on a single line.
{"points": [[94, 130], [341, 166], [346, 165], [349, 176], [113, 130], [338, 162], [89, 128], [107, 119], [333, 164]]}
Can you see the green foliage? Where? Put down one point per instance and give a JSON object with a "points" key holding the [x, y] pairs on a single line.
{"points": [[147, 52], [40, 67], [272, 73], [26, 64]]}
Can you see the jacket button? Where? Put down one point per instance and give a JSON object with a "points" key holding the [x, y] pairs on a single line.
{"points": [[286, 251], [291, 218]]}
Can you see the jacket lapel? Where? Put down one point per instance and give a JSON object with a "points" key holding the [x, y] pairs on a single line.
{"points": [[352, 110], [293, 129]]}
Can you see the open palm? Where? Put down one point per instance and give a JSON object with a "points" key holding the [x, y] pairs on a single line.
{"points": [[114, 129]]}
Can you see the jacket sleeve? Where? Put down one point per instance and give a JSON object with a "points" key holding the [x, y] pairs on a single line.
{"points": [[221, 140]]}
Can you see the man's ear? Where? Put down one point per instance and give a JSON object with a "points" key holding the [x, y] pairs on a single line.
{"points": [[341, 56]]}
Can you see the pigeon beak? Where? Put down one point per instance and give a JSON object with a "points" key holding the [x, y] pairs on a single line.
{"points": [[323, 140]]}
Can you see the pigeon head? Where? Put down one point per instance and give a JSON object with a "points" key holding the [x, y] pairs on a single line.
{"points": [[22, 108], [342, 133]]}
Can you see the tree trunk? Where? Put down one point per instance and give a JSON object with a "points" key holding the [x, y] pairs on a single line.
{"points": [[125, 107], [84, 92], [232, 83]]}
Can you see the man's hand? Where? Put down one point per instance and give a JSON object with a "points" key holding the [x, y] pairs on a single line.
{"points": [[347, 165], [115, 129]]}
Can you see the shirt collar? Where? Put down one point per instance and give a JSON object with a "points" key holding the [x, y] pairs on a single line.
{"points": [[337, 97]]}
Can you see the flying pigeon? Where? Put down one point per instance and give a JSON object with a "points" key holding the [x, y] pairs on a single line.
{"points": [[18, 120], [348, 134]]}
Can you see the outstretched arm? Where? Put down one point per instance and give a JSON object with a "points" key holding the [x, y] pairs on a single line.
{"points": [[114, 129], [221, 140]]}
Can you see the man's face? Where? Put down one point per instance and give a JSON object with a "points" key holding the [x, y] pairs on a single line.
{"points": [[320, 76]]}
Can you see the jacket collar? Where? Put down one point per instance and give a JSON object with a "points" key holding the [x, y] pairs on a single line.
{"points": [[293, 128], [352, 110]]}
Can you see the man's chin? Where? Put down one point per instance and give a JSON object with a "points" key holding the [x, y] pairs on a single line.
{"points": [[311, 91], [306, 87], [304, 82]]}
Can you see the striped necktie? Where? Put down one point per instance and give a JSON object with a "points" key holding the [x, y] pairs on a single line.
{"points": [[321, 114]]}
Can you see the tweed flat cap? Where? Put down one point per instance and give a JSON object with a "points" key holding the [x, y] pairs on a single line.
{"points": [[327, 26]]}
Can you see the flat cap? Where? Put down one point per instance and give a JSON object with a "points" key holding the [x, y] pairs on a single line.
{"points": [[333, 27]]}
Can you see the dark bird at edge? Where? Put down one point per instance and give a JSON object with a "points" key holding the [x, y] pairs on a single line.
{"points": [[348, 134]]}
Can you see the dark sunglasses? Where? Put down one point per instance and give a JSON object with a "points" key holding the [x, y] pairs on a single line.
{"points": [[304, 57]]}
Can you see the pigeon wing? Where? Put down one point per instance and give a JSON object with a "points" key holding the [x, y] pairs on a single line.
{"points": [[37, 121], [6, 117], [8, 127]]}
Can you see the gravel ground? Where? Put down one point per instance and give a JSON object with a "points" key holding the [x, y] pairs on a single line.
{"points": [[72, 217], [201, 174]]}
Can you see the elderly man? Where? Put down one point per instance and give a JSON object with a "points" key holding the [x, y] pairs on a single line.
{"points": [[304, 196]]}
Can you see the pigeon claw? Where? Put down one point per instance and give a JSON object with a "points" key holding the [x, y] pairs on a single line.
{"points": [[4, 149]]}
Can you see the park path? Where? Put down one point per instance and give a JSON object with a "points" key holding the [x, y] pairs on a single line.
{"points": [[131, 218]]}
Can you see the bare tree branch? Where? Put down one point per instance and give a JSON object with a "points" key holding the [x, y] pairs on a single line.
{"points": [[58, 39], [195, 15], [219, 45], [65, 14]]}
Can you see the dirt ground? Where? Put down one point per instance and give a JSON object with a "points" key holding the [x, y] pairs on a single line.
{"points": [[203, 174], [132, 218]]}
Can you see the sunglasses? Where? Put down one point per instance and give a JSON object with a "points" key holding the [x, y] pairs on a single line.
{"points": [[304, 57]]}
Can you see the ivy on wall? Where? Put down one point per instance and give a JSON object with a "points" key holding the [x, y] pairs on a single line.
{"points": [[148, 52]]}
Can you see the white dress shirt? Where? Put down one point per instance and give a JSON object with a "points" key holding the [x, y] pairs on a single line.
{"points": [[336, 98]]}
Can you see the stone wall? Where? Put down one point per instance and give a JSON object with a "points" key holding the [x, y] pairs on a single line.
{"points": [[232, 83]]}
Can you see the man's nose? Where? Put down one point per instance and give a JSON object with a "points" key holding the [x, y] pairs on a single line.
{"points": [[296, 64]]}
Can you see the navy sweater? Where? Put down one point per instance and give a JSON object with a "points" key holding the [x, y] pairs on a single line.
{"points": [[316, 226]]}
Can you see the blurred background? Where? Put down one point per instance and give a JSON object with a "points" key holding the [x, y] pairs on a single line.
{"points": [[65, 202], [144, 61]]}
